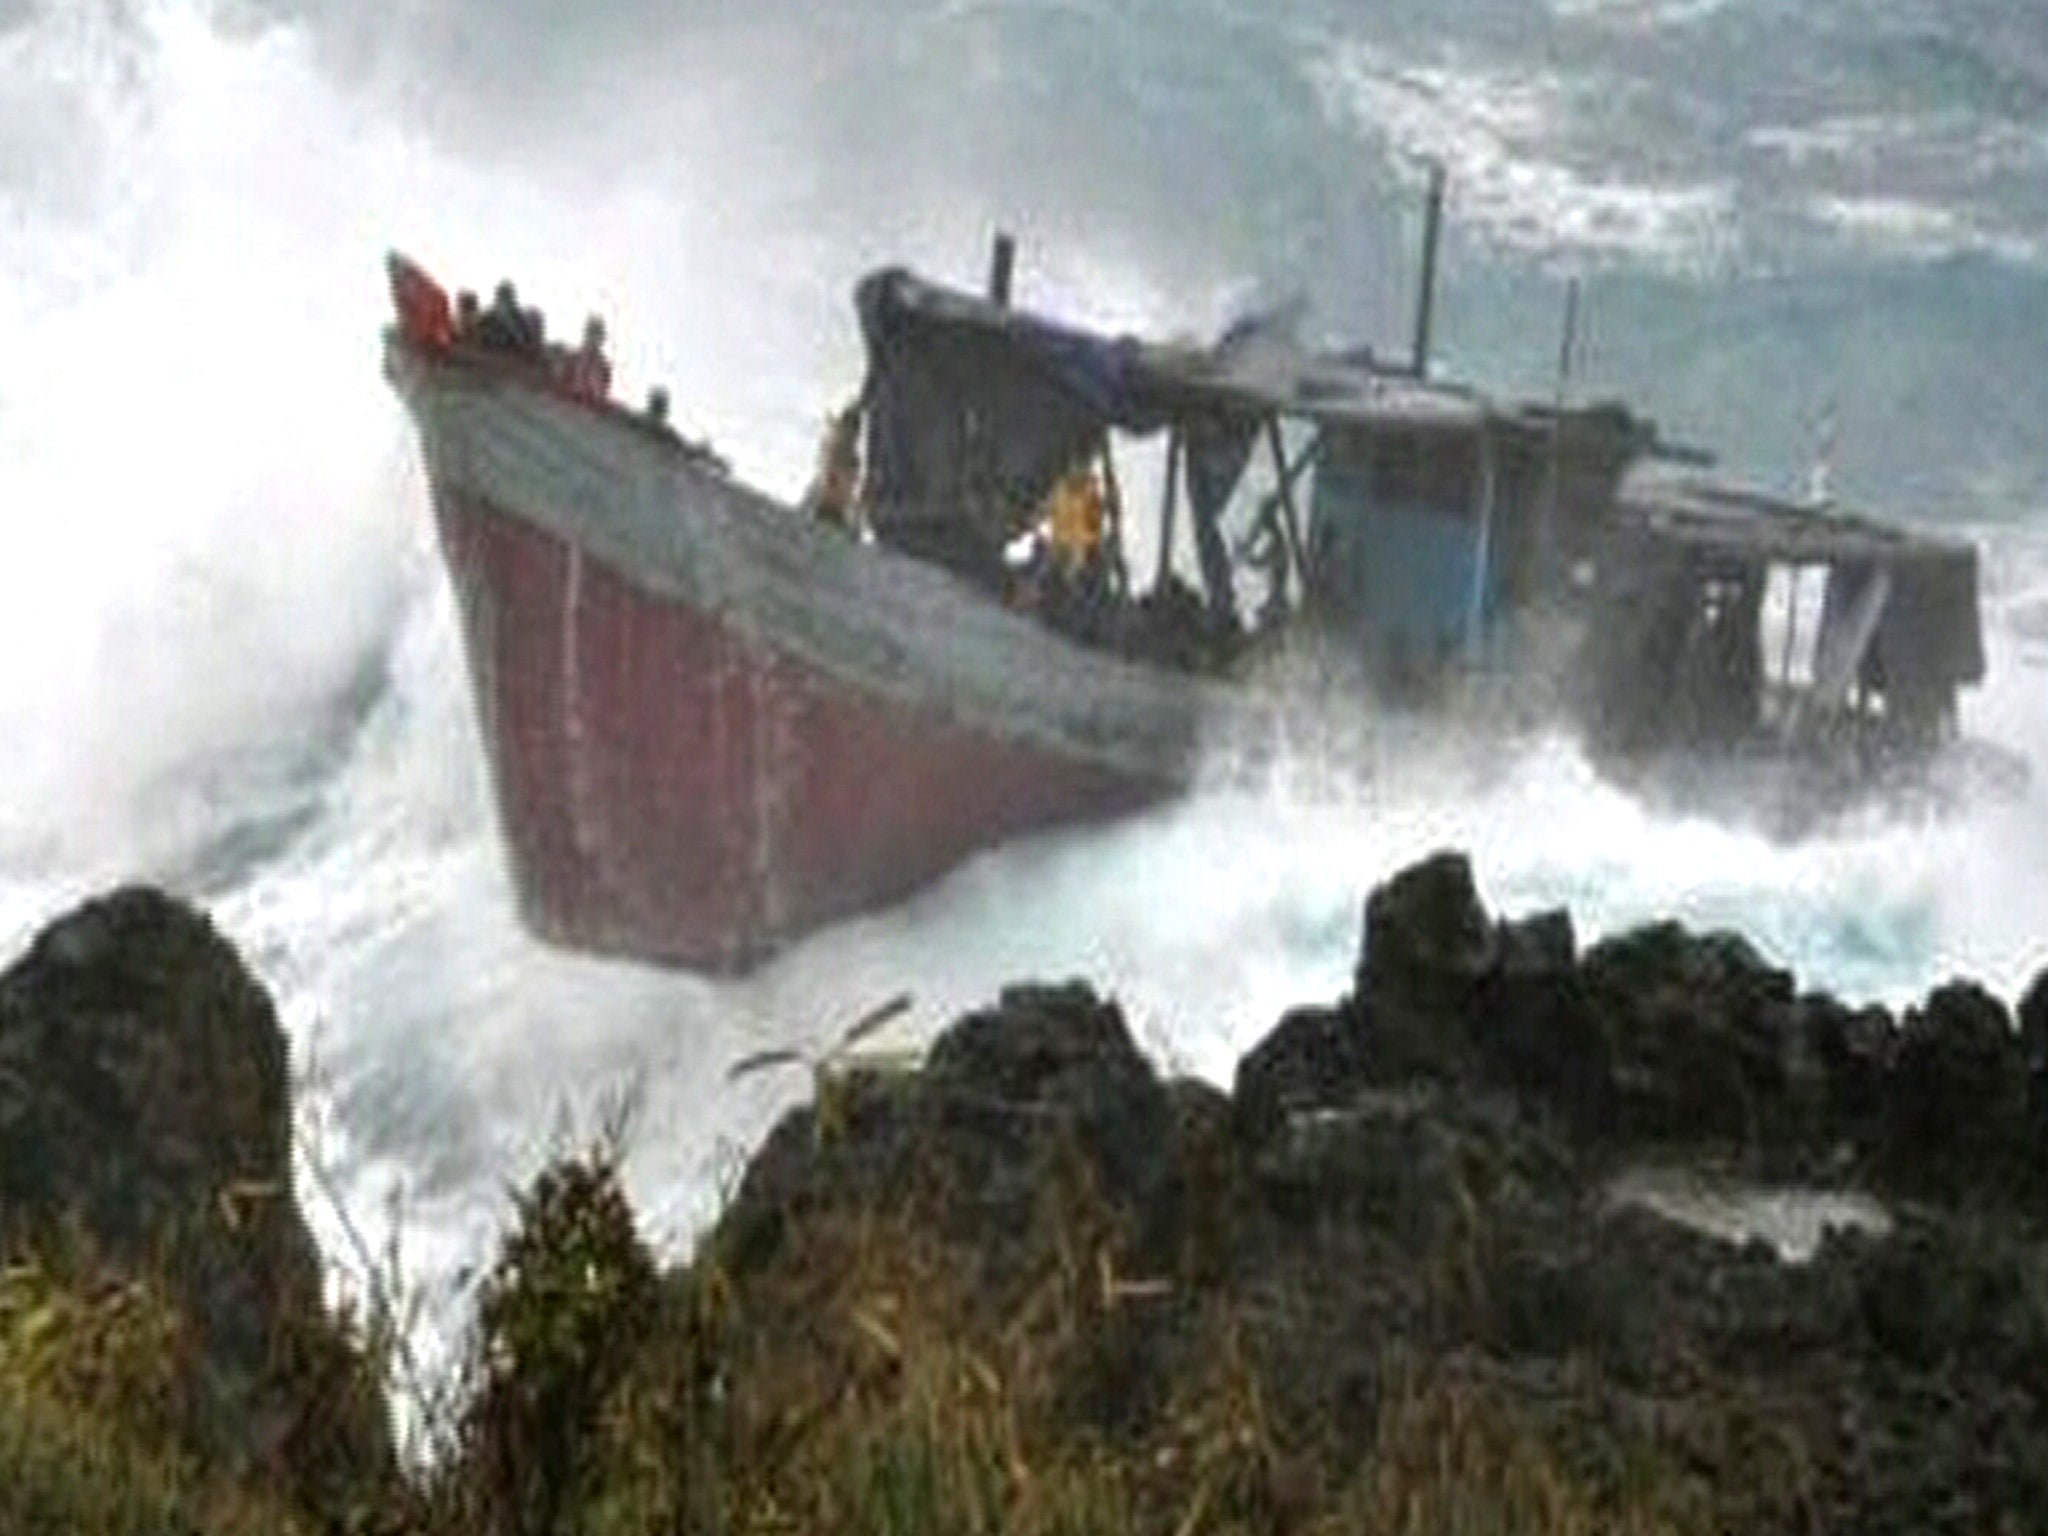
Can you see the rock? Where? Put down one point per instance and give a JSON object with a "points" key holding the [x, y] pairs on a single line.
{"points": [[2033, 1023], [1535, 1028], [1414, 1184], [1050, 1073], [1315, 1058], [1051, 1063], [1793, 1095], [1958, 1088], [1205, 1136], [1537, 948], [1428, 941], [856, 1145], [1657, 1036], [142, 1075], [1386, 1163], [1428, 951], [1854, 1048], [1942, 1290], [144, 1105], [1058, 1045], [1697, 1025]]}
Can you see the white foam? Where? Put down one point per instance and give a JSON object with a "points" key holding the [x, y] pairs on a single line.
{"points": [[1643, 15], [1964, 169], [1793, 1221], [1503, 133]]}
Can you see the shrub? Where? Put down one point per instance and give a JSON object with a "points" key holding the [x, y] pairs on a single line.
{"points": [[569, 1302]]}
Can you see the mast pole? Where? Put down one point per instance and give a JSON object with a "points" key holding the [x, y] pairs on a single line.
{"points": [[1425, 299]]}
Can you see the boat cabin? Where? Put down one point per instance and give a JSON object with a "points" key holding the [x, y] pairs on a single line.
{"points": [[1408, 519], [1438, 516], [1410, 524], [1728, 621]]}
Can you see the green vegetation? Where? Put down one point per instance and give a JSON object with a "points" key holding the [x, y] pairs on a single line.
{"points": [[863, 1379], [861, 1382], [96, 1416]]}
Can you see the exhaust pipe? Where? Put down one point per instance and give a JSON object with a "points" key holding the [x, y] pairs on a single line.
{"points": [[1002, 262]]}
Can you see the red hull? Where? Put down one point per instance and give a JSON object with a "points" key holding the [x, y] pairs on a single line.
{"points": [[676, 790]]}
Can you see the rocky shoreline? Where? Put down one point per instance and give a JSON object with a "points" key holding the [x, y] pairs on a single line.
{"points": [[1400, 1276], [161, 1317], [1421, 1173]]}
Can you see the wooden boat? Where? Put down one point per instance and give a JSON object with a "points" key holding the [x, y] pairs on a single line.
{"points": [[716, 721]]}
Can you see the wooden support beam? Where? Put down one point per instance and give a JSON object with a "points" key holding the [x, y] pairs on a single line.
{"points": [[1114, 496], [1284, 490], [1168, 499]]}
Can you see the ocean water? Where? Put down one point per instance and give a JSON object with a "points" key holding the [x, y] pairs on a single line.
{"points": [[227, 651]]}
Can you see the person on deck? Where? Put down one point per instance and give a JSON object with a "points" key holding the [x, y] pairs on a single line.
{"points": [[834, 492], [501, 327], [1073, 591], [467, 313], [588, 375], [1075, 518]]}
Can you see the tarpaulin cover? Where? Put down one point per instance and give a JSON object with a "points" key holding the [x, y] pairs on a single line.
{"points": [[973, 411]]}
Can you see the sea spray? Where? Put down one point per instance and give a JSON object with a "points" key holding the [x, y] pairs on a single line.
{"points": [[219, 529]]}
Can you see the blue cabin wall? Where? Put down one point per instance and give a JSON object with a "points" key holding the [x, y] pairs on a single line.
{"points": [[1402, 574]]}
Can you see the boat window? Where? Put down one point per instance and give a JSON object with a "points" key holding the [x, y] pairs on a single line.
{"points": [[1141, 481], [1795, 597]]}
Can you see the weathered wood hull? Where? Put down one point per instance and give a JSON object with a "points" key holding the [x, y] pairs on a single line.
{"points": [[713, 726]]}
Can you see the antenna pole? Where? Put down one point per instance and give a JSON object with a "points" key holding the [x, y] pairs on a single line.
{"points": [[1425, 301], [1568, 347], [1553, 476]]}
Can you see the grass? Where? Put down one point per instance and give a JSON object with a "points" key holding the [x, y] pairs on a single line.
{"points": [[95, 1416], [859, 1382], [65, 1469], [861, 1378]]}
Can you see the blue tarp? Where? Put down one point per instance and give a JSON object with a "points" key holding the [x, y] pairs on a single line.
{"points": [[899, 312]]}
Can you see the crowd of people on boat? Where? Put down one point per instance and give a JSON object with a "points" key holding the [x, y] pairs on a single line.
{"points": [[509, 330], [508, 327]]}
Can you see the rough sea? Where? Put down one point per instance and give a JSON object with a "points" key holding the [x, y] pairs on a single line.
{"points": [[1806, 230]]}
